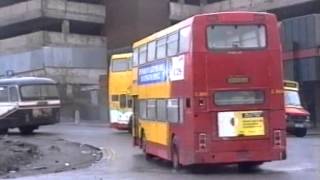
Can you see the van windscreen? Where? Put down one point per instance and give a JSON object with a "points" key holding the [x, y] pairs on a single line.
{"points": [[39, 92]]}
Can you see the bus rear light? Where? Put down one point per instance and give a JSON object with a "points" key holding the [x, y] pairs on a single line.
{"points": [[203, 141], [277, 138]]}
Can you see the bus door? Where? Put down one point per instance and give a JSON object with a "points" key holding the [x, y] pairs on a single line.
{"points": [[135, 120]]}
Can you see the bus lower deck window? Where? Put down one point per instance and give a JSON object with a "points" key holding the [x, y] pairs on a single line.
{"points": [[225, 98], [114, 98]]}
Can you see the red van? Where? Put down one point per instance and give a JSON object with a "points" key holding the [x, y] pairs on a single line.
{"points": [[298, 118]]}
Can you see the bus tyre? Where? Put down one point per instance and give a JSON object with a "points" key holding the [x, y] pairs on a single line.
{"points": [[248, 167], [175, 158], [27, 130], [144, 148], [300, 132], [130, 126], [3, 131]]}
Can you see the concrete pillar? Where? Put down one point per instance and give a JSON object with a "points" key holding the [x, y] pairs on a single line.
{"points": [[317, 104], [65, 27]]}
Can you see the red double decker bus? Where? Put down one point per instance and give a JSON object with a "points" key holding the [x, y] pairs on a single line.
{"points": [[210, 91]]}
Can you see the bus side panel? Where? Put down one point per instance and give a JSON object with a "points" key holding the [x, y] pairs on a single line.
{"points": [[181, 133], [157, 136]]}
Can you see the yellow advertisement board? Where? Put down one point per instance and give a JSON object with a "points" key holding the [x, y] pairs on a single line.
{"points": [[241, 123]]}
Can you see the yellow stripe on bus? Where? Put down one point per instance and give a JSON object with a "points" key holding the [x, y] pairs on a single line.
{"points": [[160, 90], [155, 131]]}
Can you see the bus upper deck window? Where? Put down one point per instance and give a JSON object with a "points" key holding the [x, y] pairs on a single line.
{"points": [[120, 65], [161, 48], [172, 42], [114, 98], [135, 59], [236, 37], [152, 51], [184, 39], [143, 54]]}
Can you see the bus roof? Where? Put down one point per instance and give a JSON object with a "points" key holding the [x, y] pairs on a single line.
{"points": [[26, 81], [185, 23], [163, 32], [121, 56]]}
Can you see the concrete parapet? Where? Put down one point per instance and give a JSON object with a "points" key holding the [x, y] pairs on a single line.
{"points": [[180, 11], [252, 5], [59, 9], [45, 38]]}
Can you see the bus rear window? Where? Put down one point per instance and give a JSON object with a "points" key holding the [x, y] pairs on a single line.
{"points": [[226, 98], [236, 37]]}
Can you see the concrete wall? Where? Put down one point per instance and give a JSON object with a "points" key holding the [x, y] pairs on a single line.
{"points": [[253, 5], [83, 76], [179, 11], [43, 38], [56, 57], [128, 21], [20, 12], [63, 9], [60, 9]]}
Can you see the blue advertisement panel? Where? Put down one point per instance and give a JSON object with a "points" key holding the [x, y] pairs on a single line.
{"points": [[153, 73]]}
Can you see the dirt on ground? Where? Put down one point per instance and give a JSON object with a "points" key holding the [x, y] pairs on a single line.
{"points": [[32, 155], [14, 154]]}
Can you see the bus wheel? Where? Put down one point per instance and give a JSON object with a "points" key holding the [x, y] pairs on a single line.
{"points": [[144, 148], [4, 131], [300, 132], [27, 130], [175, 158], [130, 126], [249, 167]]}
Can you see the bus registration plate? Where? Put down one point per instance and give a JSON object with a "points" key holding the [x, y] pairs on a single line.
{"points": [[241, 123]]}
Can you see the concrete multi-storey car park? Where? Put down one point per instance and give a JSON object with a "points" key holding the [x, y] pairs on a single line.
{"points": [[144, 21], [61, 39], [57, 37]]}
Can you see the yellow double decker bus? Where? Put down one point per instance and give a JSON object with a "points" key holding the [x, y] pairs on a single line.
{"points": [[120, 91]]}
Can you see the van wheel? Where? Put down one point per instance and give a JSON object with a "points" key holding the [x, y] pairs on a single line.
{"points": [[300, 132], [27, 130], [3, 131]]}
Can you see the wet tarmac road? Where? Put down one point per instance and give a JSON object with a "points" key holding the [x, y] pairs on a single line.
{"points": [[122, 161]]}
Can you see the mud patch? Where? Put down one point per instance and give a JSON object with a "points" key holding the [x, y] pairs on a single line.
{"points": [[15, 154], [29, 156]]}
